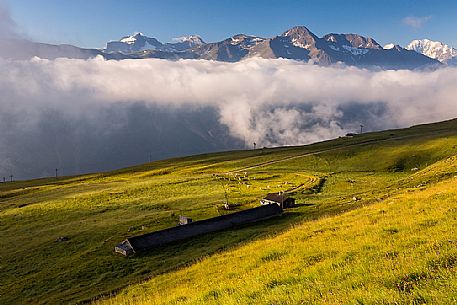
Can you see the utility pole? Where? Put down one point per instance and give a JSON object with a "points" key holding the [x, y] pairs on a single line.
{"points": [[11, 177], [361, 128], [255, 144], [226, 203], [57, 175], [225, 196]]}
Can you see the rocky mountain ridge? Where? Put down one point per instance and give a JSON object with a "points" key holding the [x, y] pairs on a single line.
{"points": [[297, 43]]}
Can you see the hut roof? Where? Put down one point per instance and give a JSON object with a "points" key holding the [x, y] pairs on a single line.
{"points": [[276, 197]]}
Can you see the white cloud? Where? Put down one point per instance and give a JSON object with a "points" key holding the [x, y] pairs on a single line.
{"points": [[416, 22], [268, 101]]}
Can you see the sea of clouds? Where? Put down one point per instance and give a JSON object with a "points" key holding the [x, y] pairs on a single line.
{"points": [[270, 102]]}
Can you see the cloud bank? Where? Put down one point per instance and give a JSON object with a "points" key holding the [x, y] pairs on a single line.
{"points": [[113, 113], [416, 22]]}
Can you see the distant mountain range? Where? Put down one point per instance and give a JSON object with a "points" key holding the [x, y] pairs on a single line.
{"points": [[297, 43]]}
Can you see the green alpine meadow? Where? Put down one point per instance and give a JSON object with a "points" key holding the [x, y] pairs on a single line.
{"points": [[375, 222]]}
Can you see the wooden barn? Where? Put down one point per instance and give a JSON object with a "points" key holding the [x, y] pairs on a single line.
{"points": [[281, 199], [191, 229]]}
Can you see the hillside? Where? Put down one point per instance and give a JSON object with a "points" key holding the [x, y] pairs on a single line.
{"points": [[375, 221], [399, 251]]}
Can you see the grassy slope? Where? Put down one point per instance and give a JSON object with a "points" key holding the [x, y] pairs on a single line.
{"points": [[96, 211], [402, 250]]}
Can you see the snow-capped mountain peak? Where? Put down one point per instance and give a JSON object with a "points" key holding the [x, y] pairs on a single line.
{"points": [[133, 43], [193, 39], [245, 41], [132, 38], [389, 46], [434, 49], [297, 31], [352, 40], [301, 37]]}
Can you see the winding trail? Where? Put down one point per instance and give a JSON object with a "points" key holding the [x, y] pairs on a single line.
{"points": [[307, 154]]}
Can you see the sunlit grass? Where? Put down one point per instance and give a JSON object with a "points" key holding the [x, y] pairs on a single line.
{"points": [[399, 251], [350, 176]]}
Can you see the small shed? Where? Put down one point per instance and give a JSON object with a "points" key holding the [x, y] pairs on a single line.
{"points": [[281, 199], [184, 220], [124, 248]]}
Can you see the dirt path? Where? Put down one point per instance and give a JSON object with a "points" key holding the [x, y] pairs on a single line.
{"points": [[318, 152]]}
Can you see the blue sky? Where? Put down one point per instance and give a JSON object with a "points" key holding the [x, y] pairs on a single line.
{"points": [[90, 23]]}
